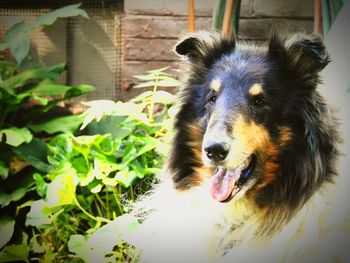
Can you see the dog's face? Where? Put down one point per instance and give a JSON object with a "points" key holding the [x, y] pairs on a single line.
{"points": [[248, 106]]}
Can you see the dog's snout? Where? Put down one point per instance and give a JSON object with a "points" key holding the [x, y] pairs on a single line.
{"points": [[217, 151]]}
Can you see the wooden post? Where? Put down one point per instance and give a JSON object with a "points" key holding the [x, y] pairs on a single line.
{"points": [[191, 16], [318, 17], [227, 16]]}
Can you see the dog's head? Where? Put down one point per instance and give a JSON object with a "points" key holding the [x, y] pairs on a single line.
{"points": [[250, 114]]}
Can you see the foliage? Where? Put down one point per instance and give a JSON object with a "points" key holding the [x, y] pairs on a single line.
{"points": [[17, 38], [65, 180]]}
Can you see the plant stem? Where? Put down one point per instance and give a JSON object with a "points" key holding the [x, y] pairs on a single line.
{"points": [[117, 201], [87, 213], [100, 201], [150, 113], [3, 114], [131, 193], [107, 204]]}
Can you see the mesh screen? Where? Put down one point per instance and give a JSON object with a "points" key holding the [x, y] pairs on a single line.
{"points": [[90, 47]]}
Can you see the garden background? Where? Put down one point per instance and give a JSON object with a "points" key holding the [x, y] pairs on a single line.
{"points": [[86, 100]]}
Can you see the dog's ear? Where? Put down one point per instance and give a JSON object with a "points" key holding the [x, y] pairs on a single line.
{"points": [[303, 56], [189, 47], [205, 46]]}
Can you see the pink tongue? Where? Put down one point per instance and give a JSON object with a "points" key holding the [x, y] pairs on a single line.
{"points": [[222, 183]]}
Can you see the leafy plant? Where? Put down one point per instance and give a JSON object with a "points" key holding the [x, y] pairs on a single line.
{"points": [[29, 94], [65, 180]]}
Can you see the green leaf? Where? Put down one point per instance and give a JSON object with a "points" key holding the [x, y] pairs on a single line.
{"points": [[16, 195], [14, 253], [7, 226], [131, 109], [16, 136], [145, 77], [18, 80], [169, 83], [39, 214], [95, 248], [157, 71], [164, 97], [39, 99], [76, 244], [133, 154], [103, 167], [79, 90], [66, 124], [49, 88], [61, 190], [4, 170], [126, 178], [146, 84], [51, 17], [97, 110], [17, 39], [14, 30], [35, 153], [41, 185], [19, 46], [95, 186]]}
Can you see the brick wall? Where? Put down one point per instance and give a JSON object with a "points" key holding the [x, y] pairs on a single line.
{"points": [[152, 28]]}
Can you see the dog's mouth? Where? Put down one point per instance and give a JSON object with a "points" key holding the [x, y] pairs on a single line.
{"points": [[226, 183]]}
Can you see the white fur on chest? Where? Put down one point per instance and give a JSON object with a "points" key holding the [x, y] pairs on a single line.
{"points": [[192, 227]]}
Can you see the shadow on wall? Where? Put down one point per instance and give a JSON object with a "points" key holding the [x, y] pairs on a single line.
{"points": [[336, 78]]}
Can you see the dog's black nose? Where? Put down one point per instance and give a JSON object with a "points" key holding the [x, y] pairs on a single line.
{"points": [[217, 151]]}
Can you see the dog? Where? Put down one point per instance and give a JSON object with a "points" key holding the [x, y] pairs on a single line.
{"points": [[252, 165]]}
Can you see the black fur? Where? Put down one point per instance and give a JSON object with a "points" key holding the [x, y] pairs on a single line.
{"points": [[288, 69]]}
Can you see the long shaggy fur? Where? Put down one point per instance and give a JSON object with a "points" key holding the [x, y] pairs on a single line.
{"points": [[284, 212]]}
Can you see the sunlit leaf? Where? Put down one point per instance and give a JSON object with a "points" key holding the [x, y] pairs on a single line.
{"points": [[39, 214], [168, 83], [131, 109], [76, 244], [126, 178], [145, 84], [16, 136], [97, 110], [7, 225], [157, 71], [95, 186], [61, 190], [95, 248], [41, 185], [103, 167]]}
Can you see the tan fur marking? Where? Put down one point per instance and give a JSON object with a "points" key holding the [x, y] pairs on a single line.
{"points": [[256, 89], [250, 135], [215, 85], [195, 143], [254, 138], [285, 135]]}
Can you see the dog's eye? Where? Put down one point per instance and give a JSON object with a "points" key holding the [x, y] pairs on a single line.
{"points": [[212, 99], [259, 102]]}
